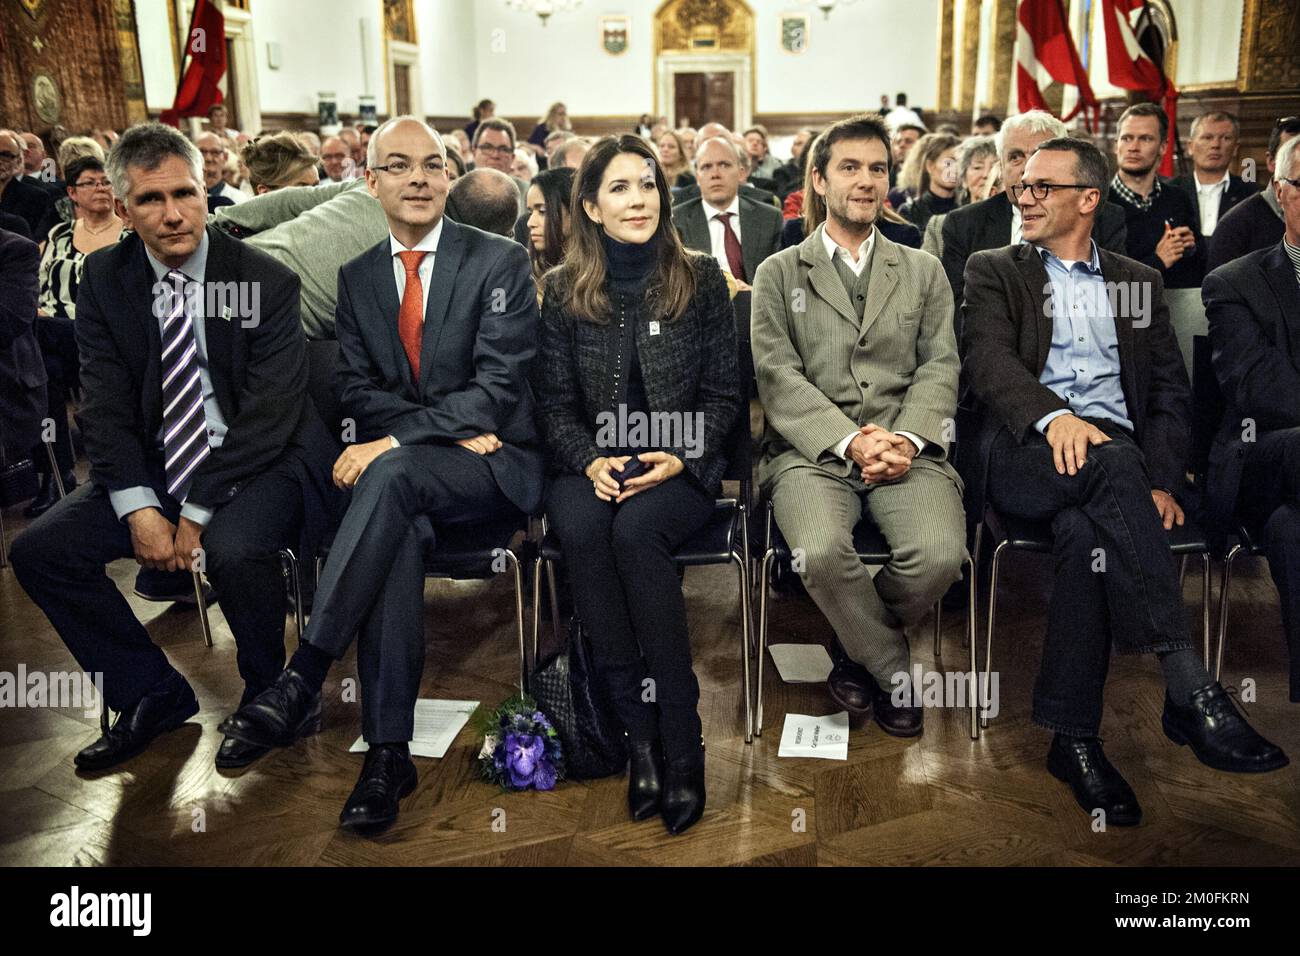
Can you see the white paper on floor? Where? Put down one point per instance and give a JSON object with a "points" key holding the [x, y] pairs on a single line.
{"points": [[801, 663], [437, 722], [825, 737]]}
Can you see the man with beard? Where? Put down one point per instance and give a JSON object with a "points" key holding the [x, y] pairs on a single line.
{"points": [[857, 371], [1164, 229]]}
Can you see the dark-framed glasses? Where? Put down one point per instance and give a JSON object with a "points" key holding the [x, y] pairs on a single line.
{"points": [[404, 167], [1042, 190]]}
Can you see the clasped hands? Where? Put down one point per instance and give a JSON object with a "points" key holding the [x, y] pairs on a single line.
{"points": [[880, 454], [161, 545], [357, 458], [601, 472]]}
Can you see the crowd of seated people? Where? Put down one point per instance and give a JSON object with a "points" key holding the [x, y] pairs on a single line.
{"points": [[493, 300]]}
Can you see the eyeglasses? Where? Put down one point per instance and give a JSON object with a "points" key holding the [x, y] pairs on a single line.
{"points": [[401, 167], [10, 156], [1293, 182], [212, 153], [497, 150], [94, 184], [1041, 190]]}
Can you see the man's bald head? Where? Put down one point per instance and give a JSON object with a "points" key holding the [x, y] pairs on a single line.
{"points": [[33, 153], [486, 199], [11, 155]]}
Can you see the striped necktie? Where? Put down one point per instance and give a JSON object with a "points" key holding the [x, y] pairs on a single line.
{"points": [[185, 426]]}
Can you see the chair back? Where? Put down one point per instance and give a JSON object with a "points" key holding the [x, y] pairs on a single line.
{"points": [[741, 306], [1208, 408]]}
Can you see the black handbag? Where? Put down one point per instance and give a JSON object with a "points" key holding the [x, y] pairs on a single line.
{"points": [[571, 696]]}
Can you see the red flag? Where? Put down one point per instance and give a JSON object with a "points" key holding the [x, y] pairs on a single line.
{"points": [[1132, 69], [1045, 52], [206, 47]]}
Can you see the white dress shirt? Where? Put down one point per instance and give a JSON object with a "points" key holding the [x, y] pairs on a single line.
{"points": [[1016, 225], [1208, 199], [717, 237], [234, 195], [834, 250]]}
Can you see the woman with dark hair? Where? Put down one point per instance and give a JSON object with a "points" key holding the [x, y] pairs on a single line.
{"points": [[455, 161], [637, 330], [93, 226], [547, 205], [483, 109]]}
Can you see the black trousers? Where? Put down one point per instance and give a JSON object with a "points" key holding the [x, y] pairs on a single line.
{"points": [[626, 590], [373, 581], [58, 341], [1116, 579], [1270, 497], [59, 560]]}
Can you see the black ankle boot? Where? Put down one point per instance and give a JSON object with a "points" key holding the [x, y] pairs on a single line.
{"points": [[49, 494], [682, 803], [644, 778]]}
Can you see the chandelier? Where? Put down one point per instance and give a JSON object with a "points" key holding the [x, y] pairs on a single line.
{"points": [[826, 6], [544, 8]]}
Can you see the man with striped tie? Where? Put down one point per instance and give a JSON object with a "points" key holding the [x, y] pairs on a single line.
{"points": [[202, 442]]}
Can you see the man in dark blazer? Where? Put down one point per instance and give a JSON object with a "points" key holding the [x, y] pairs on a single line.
{"points": [[437, 326], [1211, 187], [1084, 411], [1256, 222], [22, 373], [20, 196], [1253, 306], [205, 452], [995, 222], [737, 231]]}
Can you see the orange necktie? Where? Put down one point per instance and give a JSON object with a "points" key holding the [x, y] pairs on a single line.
{"points": [[410, 317]]}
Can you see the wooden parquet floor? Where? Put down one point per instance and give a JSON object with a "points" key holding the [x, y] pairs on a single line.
{"points": [[938, 800]]}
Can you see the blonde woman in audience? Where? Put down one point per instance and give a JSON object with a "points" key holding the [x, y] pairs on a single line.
{"points": [[673, 159], [930, 174], [277, 161]]}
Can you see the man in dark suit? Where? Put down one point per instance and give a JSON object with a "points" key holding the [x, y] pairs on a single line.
{"points": [[995, 222], [737, 231], [19, 195], [437, 326], [22, 373], [204, 449], [1253, 306], [1211, 187], [1254, 223], [1085, 409]]}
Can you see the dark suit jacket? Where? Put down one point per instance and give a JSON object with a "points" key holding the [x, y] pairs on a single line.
{"points": [[480, 337], [1008, 335], [760, 231], [15, 224], [1253, 306], [24, 198], [1238, 189], [987, 225], [22, 373], [258, 370], [1250, 226]]}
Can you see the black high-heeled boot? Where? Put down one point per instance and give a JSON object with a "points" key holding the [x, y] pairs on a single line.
{"points": [[644, 778], [682, 803]]}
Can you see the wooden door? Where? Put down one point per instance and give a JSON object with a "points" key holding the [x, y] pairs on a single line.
{"points": [[700, 98]]}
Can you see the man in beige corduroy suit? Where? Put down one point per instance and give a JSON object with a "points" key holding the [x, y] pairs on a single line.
{"points": [[857, 369]]}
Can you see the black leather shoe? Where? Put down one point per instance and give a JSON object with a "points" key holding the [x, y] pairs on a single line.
{"points": [[169, 587], [386, 777], [49, 495], [165, 708], [682, 802], [1080, 762], [233, 754], [851, 686], [1218, 734], [895, 721], [644, 778], [279, 715]]}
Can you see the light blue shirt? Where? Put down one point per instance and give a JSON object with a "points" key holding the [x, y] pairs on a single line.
{"points": [[1083, 362], [142, 496]]}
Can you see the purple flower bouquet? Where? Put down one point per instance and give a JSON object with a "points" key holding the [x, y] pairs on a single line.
{"points": [[521, 749]]}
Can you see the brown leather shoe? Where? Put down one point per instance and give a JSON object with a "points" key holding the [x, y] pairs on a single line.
{"points": [[850, 686], [893, 720]]}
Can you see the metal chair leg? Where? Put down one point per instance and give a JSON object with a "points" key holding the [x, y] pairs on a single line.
{"points": [[1223, 607], [295, 581], [54, 470], [974, 570], [555, 598], [972, 627], [988, 638], [1205, 609], [1182, 572], [519, 619], [203, 607], [537, 604], [764, 581], [4, 545], [742, 564]]}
